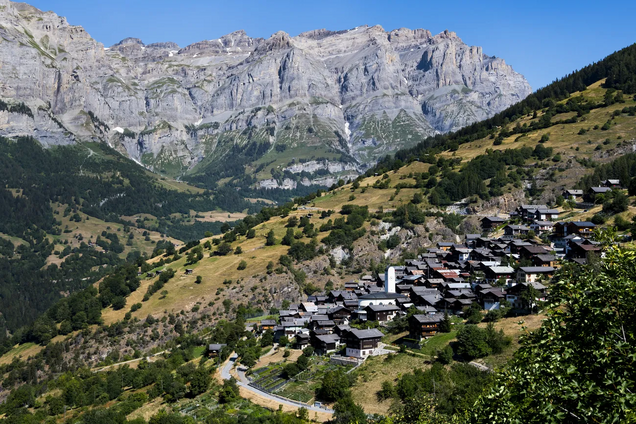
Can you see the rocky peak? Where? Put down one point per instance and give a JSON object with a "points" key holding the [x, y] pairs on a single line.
{"points": [[404, 38], [164, 46], [129, 41], [278, 41]]}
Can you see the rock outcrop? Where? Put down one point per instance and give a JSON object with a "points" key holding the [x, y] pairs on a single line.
{"points": [[359, 94]]}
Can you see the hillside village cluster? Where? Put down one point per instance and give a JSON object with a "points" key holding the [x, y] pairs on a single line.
{"points": [[447, 279]]}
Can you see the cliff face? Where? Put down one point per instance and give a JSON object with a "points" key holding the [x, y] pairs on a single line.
{"points": [[363, 92]]}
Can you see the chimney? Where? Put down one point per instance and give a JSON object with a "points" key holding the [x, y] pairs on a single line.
{"points": [[389, 280]]}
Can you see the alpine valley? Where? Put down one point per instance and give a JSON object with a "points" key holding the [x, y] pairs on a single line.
{"points": [[276, 113], [358, 226]]}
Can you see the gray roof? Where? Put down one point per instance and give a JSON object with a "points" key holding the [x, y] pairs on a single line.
{"points": [[383, 308], [366, 334], [424, 319], [381, 295], [216, 346], [537, 269]]}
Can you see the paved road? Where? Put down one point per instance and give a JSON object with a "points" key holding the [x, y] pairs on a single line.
{"points": [[244, 382]]}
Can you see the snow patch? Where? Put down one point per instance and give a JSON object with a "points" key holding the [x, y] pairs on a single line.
{"points": [[195, 55], [173, 52], [119, 130], [106, 48], [198, 122], [347, 130]]}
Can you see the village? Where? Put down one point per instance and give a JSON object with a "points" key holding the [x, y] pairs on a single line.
{"points": [[507, 268]]}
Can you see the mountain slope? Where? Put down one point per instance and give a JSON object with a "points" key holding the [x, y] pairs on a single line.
{"points": [[353, 95]]}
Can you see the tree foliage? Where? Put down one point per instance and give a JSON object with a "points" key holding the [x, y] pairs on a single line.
{"points": [[580, 366]]}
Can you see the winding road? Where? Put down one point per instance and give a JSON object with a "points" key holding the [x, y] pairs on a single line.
{"points": [[244, 382]]}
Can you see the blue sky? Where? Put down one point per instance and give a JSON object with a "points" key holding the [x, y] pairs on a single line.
{"points": [[543, 40]]}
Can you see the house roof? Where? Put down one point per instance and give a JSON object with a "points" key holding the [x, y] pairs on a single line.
{"points": [[327, 338], [383, 308], [546, 258], [216, 346], [493, 219], [380, 296], [600, 189], [427, 319], [582, 224], [501, 269], [537, 269], [543, 223], [366, 334], [268, 322]]}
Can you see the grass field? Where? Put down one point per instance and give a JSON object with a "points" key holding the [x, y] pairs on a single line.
{"points": [[374, 372]]}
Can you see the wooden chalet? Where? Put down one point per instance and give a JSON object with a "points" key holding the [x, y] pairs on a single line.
{"points": [[424, 326], [361, 343]]}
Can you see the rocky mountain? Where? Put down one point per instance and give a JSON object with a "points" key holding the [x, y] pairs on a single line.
{"points": [[333, 102]]}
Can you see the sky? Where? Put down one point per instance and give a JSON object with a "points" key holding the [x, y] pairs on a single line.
{"points": [[543, 40]]}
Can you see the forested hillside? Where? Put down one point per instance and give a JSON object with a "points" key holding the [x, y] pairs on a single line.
{"points": [[47, 199]]}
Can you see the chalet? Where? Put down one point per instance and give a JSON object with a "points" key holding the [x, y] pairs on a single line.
{"points": [[491, 298], [471, 239], [340, 329], [516, 230], [434, 283], [339, 314], [490, 222], [446, 274], [413, 279], [514, 294], [302, 341], [581, 228], [327, 325], [268, 324], [544, 260], [362, 343], [516, 245], [188, 271], [611, 183], [214, 349], [542, 227], [582, 249], [445, 246], [528, 212], [495, 273], [424, 326], [595, 191], [309, 307], [545, 214], [530, 251], [530, 274], [150, 275], [381, 313], [404, 289], [573, 194], [325, 343], [351, 286], [460, 253], [426, 310]]}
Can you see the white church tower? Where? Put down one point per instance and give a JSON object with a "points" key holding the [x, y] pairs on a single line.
{"points": [[389, 280]]}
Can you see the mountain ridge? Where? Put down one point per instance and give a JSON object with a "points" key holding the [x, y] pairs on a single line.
{"points": [[361, 93]]}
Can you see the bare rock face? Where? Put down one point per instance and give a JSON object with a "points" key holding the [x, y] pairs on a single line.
{"points": [[363, 92]]}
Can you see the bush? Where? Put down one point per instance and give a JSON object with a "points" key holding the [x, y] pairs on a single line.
{"points": [[242, 265], [445, 356], [472, 342]]}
